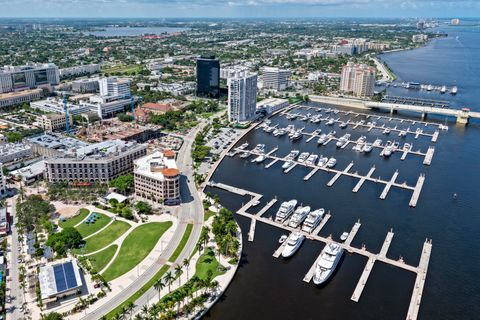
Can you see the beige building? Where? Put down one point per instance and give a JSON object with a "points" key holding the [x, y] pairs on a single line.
{"points": [[100, 162], [157, 179], [53, 122], [14, 98], [358, 79]]}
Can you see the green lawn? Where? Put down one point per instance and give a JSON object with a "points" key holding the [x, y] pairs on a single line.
{"points": [[100, 259], [133, 68], [71, 222], [139, 293], [136, 246], [182, 243], [88, 229], [208, 214], [207, 261], [104, 237]]}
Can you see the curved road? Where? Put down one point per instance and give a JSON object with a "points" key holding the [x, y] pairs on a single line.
{"points": [[190, 211]]}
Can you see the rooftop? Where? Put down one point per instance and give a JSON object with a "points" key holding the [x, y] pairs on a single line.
{"points": [[157, 165], [57, 142], [59, 278]]}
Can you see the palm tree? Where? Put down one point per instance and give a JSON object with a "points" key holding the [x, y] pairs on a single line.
{"points": [[130, 308], [159, 285], [186, 263], [178, 273], [169, 279], [199, 247], [145, 310]]}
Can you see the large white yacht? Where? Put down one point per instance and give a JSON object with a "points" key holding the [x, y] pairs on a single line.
{"points": [[313, 220], [331, 162], [260, 158], [298, 216], [323, 137], [285, 210], [330, 256], [292, 155], [303, 156], [343, 140], [294, 241], [322, 161], [287, 164], [311, 159]]}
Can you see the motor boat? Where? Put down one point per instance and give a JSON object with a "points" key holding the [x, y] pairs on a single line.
{"points": [[243, 146], [322, 139], [245, 154], [331, 162], [285, 210], [298, 216], [377, 143], [330, 122], [387, 131], [322, 161], [344, 236], [303, 157], [313, 220], [287, 164], [282, 238], [367, 147], [402, 134], [292, 155], [260, 158], [387, 152], [343, 140], [329, 258], [297, 135], [311, 159], [343, 125], [294, 241]]}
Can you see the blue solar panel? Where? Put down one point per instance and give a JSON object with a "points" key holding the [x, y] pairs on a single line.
{"points": [[59, 278], [70, 275]]}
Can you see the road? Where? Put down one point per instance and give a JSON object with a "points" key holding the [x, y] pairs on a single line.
{"points": [[190, 211], [14, 292]]}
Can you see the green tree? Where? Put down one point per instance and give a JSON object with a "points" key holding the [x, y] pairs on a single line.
{"points": [[143, 207], [52, 316], [123, 183], [66, 239]]}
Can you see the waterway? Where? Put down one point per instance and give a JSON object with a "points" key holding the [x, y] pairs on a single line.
{"points": [[134, 31], [269, 288]]}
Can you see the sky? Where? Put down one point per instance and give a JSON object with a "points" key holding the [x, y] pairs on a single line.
{"points": [[240, 8]]}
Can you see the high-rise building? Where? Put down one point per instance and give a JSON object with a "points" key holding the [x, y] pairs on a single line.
{"points": [[358, 79], [275, 78], [13, 78], [113, 87], [208, 77], [242, 96]]}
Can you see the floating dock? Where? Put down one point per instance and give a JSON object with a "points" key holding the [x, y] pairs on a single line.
{"points": [[362, 180], [251, 233], [353, 233], [322, 224], [416, 191], [267, 207], [389, 185], [429, 156], [339, 173]]}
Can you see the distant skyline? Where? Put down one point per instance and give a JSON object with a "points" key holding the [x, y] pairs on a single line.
{"points": [[239, 8]]}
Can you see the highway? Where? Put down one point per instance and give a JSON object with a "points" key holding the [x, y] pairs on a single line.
{"points": [[14, 293], [190, 211]]}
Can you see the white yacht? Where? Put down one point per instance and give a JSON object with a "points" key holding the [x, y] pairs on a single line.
{"points": [[294, 242], [322, 161], [292, 155], [454, 90], [260, 158], [395, 145], [367, 147], [259, 148], [387, 152], [245, 154], [311, 159], [343, 140], [269, 129], [402, 134], [303, 156], [407, 147], [243, 146], [317, 132], [330, 256], [443, 89], [298, 216], [377, 143], [313, 220], [287, 164], [330, 122], [332, 133], [344, 236], [387, 131], [285, 210], [343, 125], [323, 137], [297, 135], [292, 116], [331, 162]]}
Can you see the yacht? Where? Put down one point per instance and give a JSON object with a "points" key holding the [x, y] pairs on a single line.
{"points": [[260, 158], [407, 147], [367, 147], [285, 210], [343, 125], [287, 164], [322, 139], [344, 236], [298, 216], [283, 238], [454, 90], [331, 162], [315, 119], [330, 122], [311, 159], [402, 134], [259, 148], [246, 154], [322, 161], [243, 146], [329, 258], [429, 87], [332, 133], [343, 140], [269, 129], [297, 135], [377, 143], [395, 145], [292, 155], [303, 118], [294, 242], [303, 156], [443, 89], [387, 152], [313, 220], [292, 116], [317, 132], [386, 131]]}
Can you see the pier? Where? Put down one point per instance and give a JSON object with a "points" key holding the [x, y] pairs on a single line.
{"points": [[363, 179], [389, 185], [339, 173], [416, 191], [429, 156], [251, 233], [267, 207], [322, 224], [420, 270], [271, 163], [308, 176]]}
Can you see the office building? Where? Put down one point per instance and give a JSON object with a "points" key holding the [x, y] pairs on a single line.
{"points": [[53, 144], [15, 98], [275, 78], [81, 70], [59, 280], [242, 96], [53, 122], [272, 105], [55, 105], [157, 179], [358, 79], [109, 106], [113, 87], [96, 163], [208, 77], [85, 85], [30, 173], [14, 152], [30, 76]]}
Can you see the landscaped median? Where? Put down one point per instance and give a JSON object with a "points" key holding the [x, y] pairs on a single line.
{"points": [[182, 243], [136, 246]]}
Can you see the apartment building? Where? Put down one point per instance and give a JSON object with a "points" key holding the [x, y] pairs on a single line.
{"points": [[358, 79], [242, 96], [53, 122]]}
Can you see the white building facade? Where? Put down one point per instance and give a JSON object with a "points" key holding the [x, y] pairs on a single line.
{"points": [[242, 96]]}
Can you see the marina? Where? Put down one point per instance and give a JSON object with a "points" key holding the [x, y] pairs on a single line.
{"points": [[420, 270]]}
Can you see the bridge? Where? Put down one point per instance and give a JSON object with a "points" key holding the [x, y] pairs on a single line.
{"points": [[462, 115]]}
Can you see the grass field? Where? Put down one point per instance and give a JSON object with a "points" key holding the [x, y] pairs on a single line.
{"points": [[104, 238], [207, 261], [100, 259], [131, 69], [182, 243], [208, 214], [136, 246], [71, 222], [88, 229]]}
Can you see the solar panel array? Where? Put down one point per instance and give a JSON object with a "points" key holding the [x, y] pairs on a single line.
{"points": [[65, 277]]}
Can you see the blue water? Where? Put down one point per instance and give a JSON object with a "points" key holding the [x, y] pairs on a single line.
{"points": [[133, 32], [269, 288]]}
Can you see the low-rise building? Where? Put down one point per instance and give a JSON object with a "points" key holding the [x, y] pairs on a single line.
{"points": [[272, 105], [81, 70], [15, 98], [12, 152], [55, 105], [53, 122], [31, 173], [4, 222], [59, 280], [96, 163], [85, 85], [53, 144], [3, 181], [157, 179]]}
